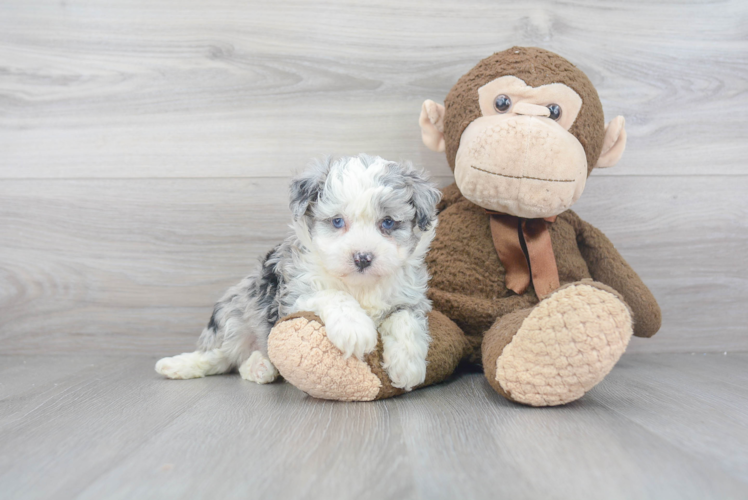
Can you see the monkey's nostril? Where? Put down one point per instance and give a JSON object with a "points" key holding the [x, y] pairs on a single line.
{"points": [[362, 260]]}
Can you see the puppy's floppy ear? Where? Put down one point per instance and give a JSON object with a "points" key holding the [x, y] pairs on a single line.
{"points": [[424, 198], [307, 186]]}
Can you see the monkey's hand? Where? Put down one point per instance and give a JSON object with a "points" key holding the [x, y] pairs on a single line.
{"points": [[607, 266]]}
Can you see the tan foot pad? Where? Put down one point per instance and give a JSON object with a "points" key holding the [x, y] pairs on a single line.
{"points": [[568, 344], [302, 353]]}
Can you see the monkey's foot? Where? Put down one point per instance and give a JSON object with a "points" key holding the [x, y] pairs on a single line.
{"points": [[299, 348], [562, 347]]}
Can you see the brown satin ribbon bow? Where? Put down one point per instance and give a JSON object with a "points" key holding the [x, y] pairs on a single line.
{"points": [[524, 248]]}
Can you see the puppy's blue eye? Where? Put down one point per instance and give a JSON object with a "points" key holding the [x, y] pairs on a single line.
{"points": [[388, 223], [338, 222]]}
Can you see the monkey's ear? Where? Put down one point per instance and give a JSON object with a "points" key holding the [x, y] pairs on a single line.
{"points": [[432, 125], [613, 144]]}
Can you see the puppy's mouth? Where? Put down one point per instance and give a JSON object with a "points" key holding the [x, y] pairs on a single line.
{"points": [[368, 273]]}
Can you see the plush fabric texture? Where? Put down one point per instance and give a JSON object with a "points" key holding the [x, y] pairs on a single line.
{"points": [[520, 165], [564, 347], [535, 67], [468, 279], [614, 143], [607, 266], [496, 339], [559, 93], [302, 353]]}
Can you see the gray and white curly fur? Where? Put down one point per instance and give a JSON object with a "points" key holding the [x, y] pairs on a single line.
{"points": [[361, 229]]}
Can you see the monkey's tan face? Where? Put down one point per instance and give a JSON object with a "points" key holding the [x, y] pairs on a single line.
{"points": [[519, 157]]}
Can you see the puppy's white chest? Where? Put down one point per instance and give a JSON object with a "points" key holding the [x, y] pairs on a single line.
{"points": [[374, 306]]}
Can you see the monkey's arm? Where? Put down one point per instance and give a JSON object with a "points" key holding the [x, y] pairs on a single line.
{"points": [[607, 266]]}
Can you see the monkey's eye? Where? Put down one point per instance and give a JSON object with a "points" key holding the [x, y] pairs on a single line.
{"points": [[555, 110], [387, 223], [338, 222], [502, 103]]}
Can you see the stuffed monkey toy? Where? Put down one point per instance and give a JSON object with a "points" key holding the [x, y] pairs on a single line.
{"points": [[520, 283]]}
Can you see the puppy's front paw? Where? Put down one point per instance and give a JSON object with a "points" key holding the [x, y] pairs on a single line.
{"points": [[405, 370], [352, 333]]}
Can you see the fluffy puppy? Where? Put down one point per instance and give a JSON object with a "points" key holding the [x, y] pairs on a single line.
{"points": [[361, 228]]}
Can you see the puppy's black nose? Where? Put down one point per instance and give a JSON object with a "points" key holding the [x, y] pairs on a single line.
{"points": [[362, 260]]}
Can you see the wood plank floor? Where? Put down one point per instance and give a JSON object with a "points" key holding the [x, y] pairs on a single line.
{"points": [[91, 427]]}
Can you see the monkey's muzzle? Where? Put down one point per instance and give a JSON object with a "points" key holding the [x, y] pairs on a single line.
{"points": [[521, 165]]}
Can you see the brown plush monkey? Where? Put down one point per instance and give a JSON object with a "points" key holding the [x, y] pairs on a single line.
{"points": [[519, 282]]}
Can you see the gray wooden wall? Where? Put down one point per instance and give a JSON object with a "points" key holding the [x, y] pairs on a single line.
{"points": [[146, 146]]}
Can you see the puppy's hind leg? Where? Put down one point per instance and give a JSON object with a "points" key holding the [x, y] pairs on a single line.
{"points": [[258, 368], [194, 364]]}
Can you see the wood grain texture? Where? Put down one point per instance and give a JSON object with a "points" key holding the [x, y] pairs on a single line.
{"points": [[111, 266], [109, 427], [668, 407], [235, 89], [135, 266], [145, 147]]}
